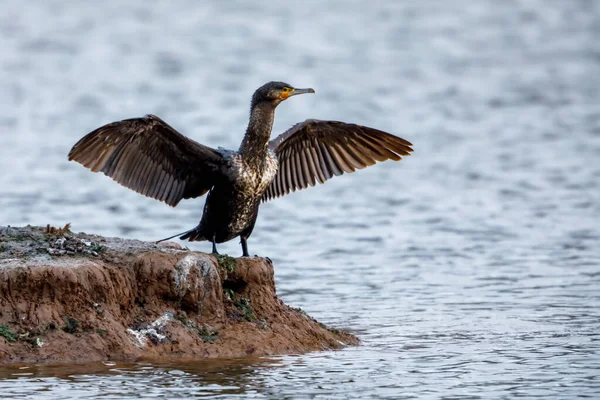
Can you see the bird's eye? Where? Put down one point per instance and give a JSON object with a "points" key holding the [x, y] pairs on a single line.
{"points": [[287, 89]]}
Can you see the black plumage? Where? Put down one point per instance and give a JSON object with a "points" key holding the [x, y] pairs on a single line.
{"points": [[152, 158]]}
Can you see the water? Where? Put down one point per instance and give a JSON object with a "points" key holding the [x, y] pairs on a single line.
{"points": [[470, 269]]}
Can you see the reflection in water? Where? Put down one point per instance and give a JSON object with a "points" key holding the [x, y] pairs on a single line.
{"points": [[224, 377], [469, 269]]}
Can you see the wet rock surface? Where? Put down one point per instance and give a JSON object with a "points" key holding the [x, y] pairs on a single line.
{"points": [[67, 297]]}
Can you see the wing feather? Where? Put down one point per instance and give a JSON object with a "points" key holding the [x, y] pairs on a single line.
{"points": [[308, 166], [131, 169], [288, 174], [339, 159], [331, 164], [317, 165], [159, 185], [301, 183], [168, 189]]}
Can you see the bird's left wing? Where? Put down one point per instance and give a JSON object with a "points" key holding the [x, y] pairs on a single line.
{"points": [[314, 151]]}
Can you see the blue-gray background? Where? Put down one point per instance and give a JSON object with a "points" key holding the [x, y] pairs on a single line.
{"points": [[468, 269]]}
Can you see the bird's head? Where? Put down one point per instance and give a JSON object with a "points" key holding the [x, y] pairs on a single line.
{"points": [[276, 92]]}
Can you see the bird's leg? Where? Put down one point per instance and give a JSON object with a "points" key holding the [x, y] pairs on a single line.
{"points": [[214, 242], [244, 246]]}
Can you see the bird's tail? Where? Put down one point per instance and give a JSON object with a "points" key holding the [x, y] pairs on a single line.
{"points": [[193, 235]]}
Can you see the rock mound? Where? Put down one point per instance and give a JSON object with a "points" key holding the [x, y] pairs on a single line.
{"points": [[68, 297]]}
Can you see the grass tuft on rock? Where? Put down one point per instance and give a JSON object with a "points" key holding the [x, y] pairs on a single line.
{"points": [[243, 305], [6, 333], [227, 263]]}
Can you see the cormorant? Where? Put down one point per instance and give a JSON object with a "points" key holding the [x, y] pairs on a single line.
{"points": [[152, 158]]}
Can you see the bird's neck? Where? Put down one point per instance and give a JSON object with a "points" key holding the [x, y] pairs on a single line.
{"points": [[255, 144]]}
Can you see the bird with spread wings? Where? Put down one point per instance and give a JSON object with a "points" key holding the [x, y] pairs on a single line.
{"points": [[151, 157]]}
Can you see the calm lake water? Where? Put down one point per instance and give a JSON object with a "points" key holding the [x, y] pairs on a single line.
{"points": [[469, 270]]}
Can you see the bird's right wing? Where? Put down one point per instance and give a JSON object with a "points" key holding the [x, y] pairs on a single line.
{"points": [[152, 158], [315, 150]]}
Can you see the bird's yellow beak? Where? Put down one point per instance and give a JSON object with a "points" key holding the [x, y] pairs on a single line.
{"points": [[294, 92]]}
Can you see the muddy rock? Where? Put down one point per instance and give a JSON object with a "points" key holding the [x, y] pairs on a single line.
{"points": [[67, 297]]}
